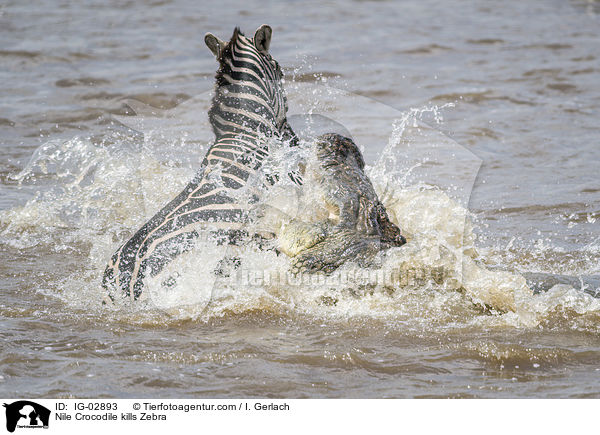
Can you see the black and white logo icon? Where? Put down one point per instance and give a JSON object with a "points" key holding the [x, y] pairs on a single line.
{"points": [[26, 414]]}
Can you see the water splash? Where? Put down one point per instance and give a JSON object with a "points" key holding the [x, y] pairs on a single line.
{"points": [[95, 195]]}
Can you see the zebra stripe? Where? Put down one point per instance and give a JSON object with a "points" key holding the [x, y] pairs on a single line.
{"points": [[248, 108]]}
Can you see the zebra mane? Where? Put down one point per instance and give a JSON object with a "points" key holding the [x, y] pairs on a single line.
{"points": [[224, 68], [220, 81], [226, 53]]}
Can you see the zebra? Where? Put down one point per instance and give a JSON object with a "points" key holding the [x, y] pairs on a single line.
{"points": [[249, 110]]}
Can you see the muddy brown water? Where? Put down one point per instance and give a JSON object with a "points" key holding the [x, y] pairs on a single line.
{"points": [[524, 82]]}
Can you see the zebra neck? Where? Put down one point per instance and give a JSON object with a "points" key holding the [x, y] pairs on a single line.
{"points": [[247, 141], [237, 111], [239, 154]]}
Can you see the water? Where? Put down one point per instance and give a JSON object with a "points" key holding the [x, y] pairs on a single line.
{"points": [[512, 95]]}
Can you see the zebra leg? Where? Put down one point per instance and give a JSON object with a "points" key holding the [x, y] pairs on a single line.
{"points": [[109, 279], [127, 266]]}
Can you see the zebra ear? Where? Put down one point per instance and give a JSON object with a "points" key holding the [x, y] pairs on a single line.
{"points": [[214, 44], [262, 38]]}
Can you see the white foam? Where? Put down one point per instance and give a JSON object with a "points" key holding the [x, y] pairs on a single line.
{"points": [[95, 197]]}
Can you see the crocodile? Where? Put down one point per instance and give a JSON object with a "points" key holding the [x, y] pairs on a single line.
{"points": [[357, 226]]}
